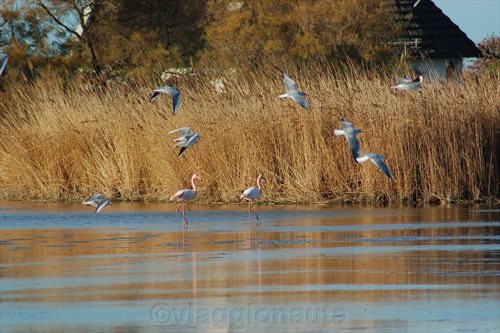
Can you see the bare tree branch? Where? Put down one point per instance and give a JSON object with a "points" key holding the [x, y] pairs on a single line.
{"points": [[59, 22], [85, 37]]}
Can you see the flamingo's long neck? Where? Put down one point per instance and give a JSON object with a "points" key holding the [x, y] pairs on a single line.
{"points": [[192, 183], [258, 182]]}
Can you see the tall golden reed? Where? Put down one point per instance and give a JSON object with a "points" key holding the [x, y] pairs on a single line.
{"points": [[64, 139]]}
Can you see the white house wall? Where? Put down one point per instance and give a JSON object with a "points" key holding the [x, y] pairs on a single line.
{"points": [[436, 69]]}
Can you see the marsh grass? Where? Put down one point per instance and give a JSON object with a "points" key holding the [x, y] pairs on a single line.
{"points": [[65, 139]]}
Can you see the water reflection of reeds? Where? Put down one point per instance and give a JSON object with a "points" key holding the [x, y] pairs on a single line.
{"points": [[102, 264]]}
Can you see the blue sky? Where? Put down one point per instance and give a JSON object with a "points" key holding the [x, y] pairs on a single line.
{"points": [[477, 18]]}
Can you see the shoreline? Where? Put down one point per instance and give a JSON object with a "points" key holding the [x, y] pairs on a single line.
{"points": [[339, 203]]}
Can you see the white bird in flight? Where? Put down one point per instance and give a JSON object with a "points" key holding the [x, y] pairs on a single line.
{"points": [[4, 59], [172, 91], [93, 200], [407, 84], [350, 132], [97, 201], [293, 92], [101, 204], [182, 196], [253, 193], [186, 140]]}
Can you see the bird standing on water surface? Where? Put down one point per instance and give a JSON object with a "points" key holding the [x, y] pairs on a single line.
{"points": [[253, 193], [185, 195]]}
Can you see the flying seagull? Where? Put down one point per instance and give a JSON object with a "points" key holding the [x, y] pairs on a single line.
{"points": [[378, 160], [185, 195], [408, 84], [4, 58], [186, 140], [293, 92], [253, 193], [172, 91], [101, 204], [93, 200], [185, 134], [350, 132]]}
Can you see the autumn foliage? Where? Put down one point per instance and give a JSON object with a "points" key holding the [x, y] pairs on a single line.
{"points": [[140, 36], [290, 31]]}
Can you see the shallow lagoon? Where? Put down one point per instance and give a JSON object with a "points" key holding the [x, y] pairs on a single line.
{"points": [[133, 268]]}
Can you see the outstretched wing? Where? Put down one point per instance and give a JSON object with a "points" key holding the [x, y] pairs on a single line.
{"points": [[300, 98], [172, 91], [4, 59], [405, 80], [184, 131], [290, 84], [378, 160], [350, 133], [101, 205], [97, 196], [193, 139], [176, 101], [181, 152]]}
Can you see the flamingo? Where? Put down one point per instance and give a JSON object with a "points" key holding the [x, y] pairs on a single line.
{"points": [[253, 193], [408, 84], [172, 91], [350, 132], [293, 92], [182, 196]]}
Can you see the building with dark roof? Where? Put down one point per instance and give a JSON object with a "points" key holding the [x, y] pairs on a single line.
{"points": [[434, 45]]}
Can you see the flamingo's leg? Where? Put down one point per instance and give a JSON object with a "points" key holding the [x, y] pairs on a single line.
{"points": [[250, 210], [183, 238], [178, 207], [184, 215]]}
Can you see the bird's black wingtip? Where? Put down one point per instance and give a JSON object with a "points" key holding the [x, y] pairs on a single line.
{"points": [[183, 149], [153, 97]]}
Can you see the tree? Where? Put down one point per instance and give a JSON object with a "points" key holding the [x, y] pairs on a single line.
{"points": [[489, 64], [151, 35], [287, 31], [27, 37], [22, 23], [130, 35], [63, 12]]}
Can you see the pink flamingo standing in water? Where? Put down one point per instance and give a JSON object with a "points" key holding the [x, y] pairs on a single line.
{"points": [[253, 193], [185, 195]]}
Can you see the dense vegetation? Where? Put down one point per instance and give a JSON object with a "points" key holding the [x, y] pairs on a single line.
{"points": [[149, 36], [65, 139], [75, 116]]}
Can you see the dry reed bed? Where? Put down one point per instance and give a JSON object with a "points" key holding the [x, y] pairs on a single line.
{"points": [[66, 140]]}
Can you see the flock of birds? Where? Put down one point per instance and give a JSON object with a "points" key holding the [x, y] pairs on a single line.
{"points": [[188, 138]]}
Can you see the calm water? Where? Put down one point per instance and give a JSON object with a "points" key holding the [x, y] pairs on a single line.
{"points": [[303, 269]]}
